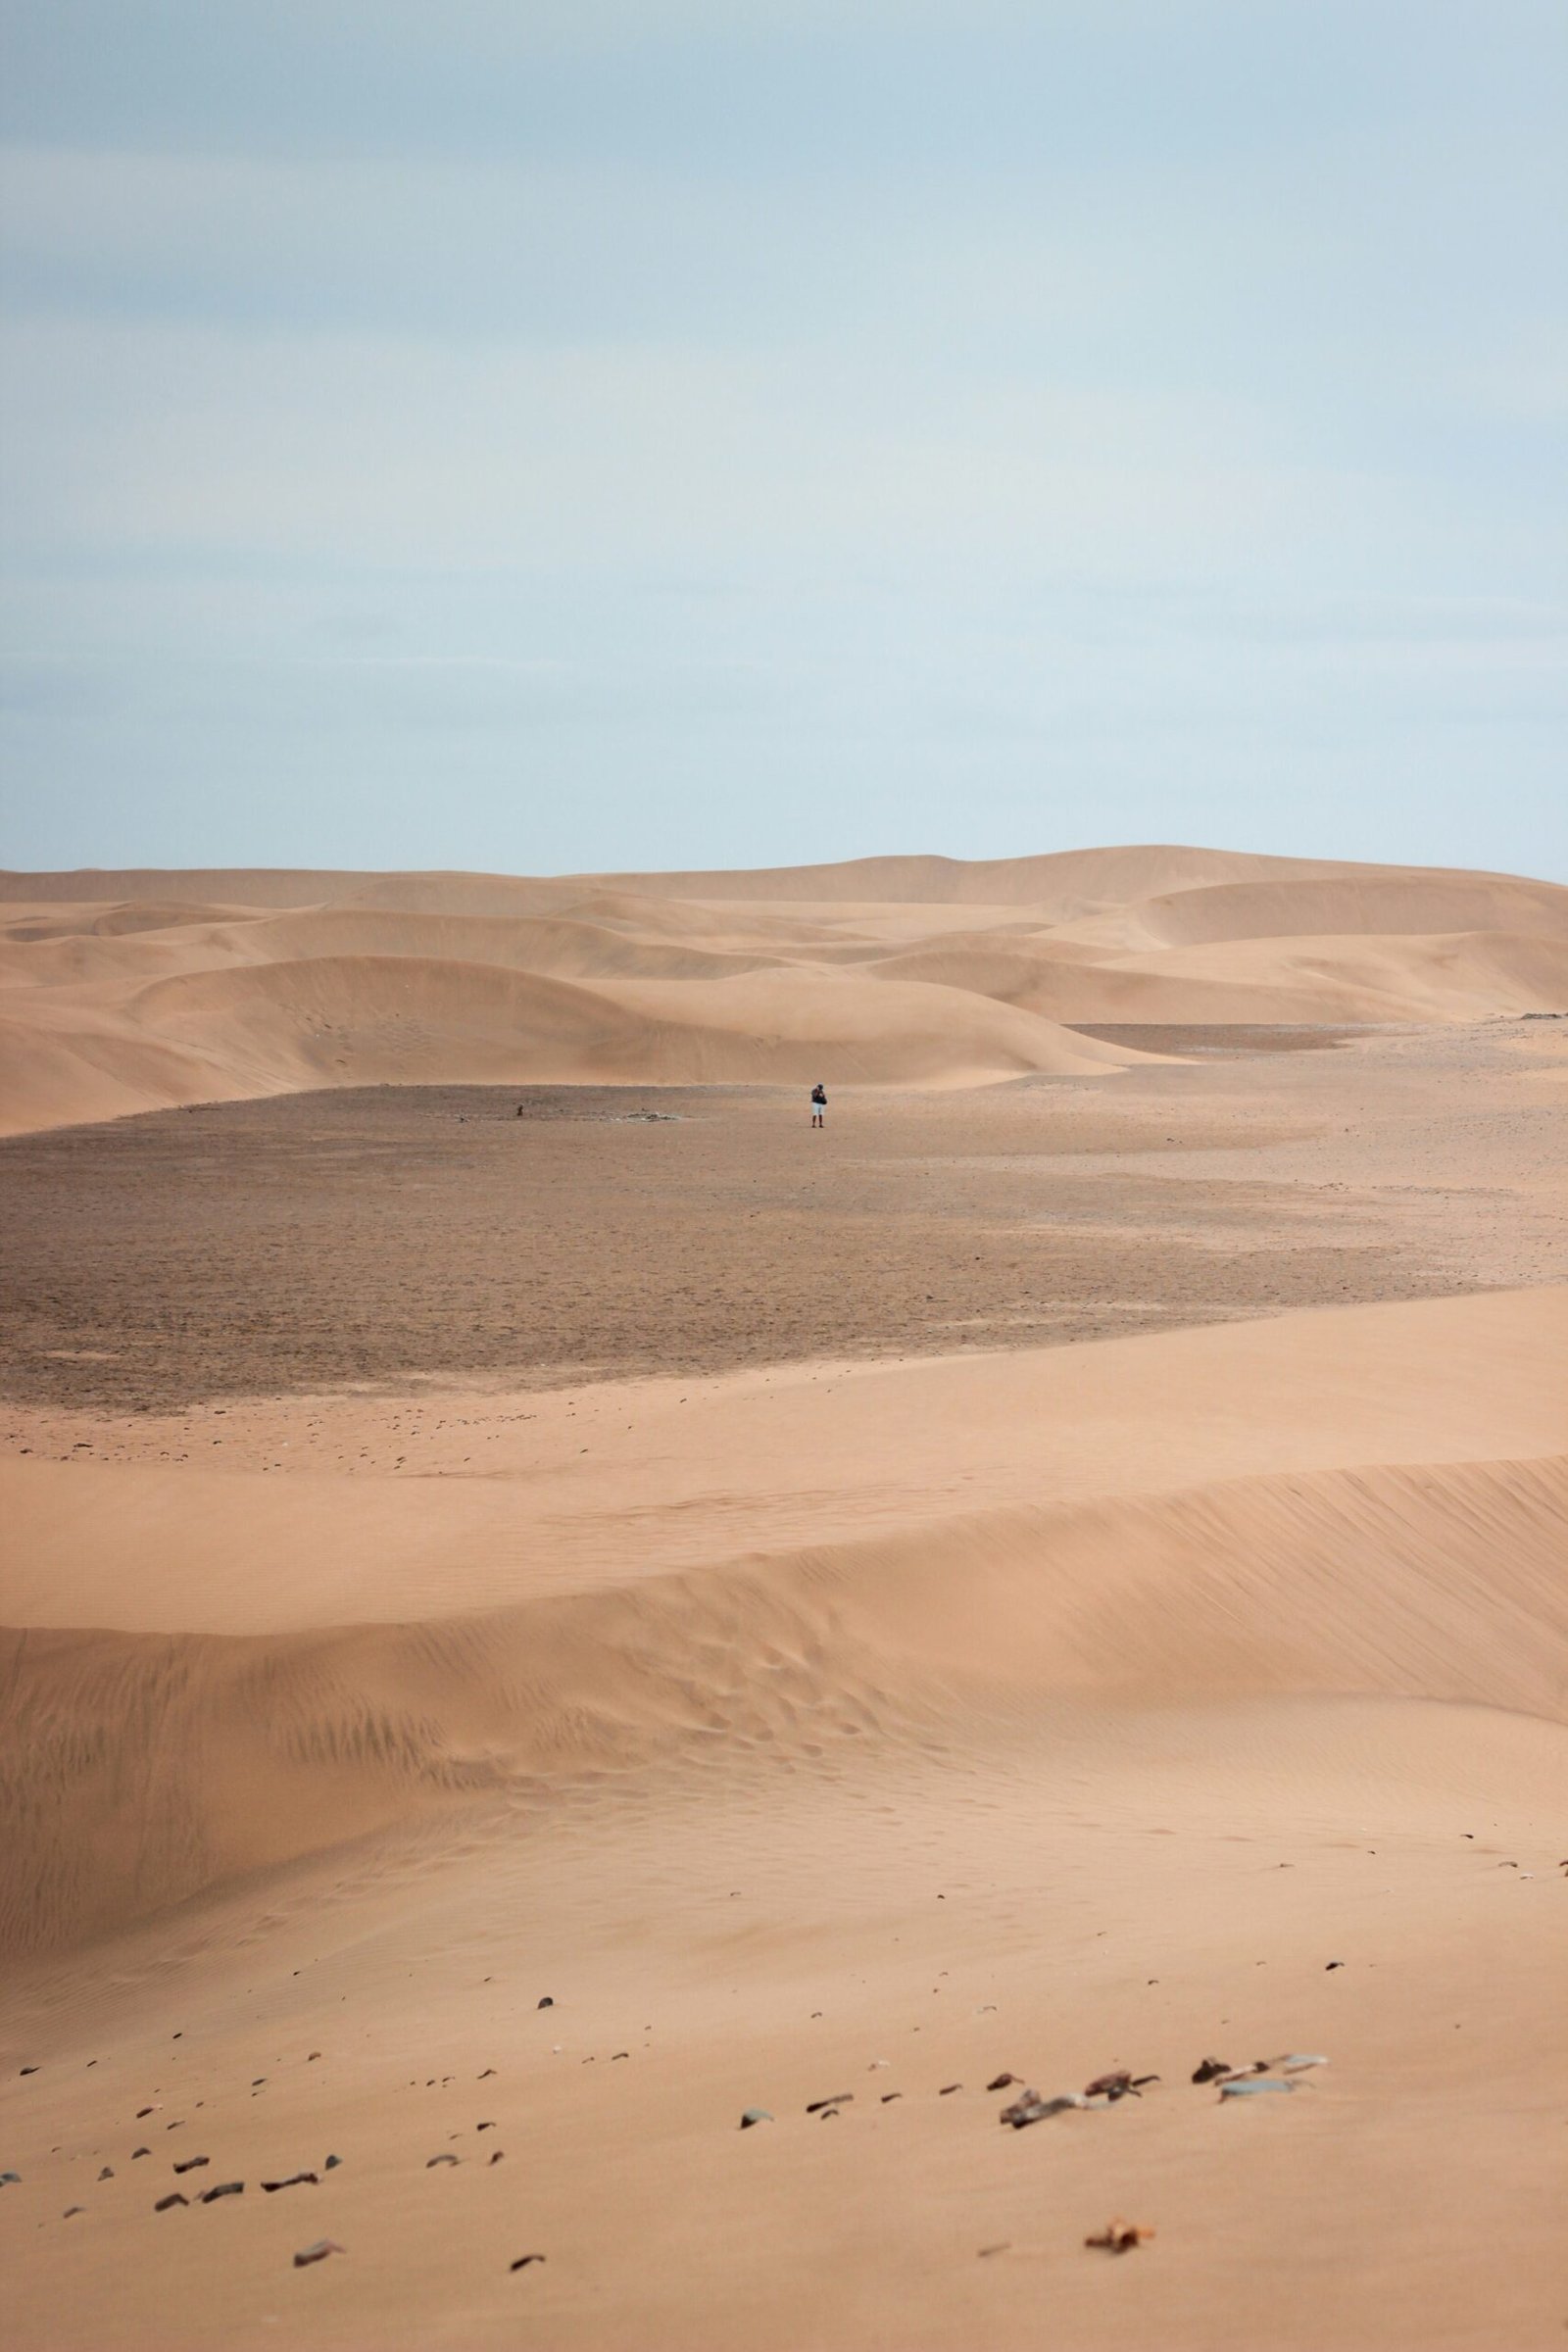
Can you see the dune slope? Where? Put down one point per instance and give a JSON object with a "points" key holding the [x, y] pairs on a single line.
{"points": [[147, 989]]}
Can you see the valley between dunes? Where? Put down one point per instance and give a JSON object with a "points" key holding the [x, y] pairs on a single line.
{"points": [[547, 1605]]}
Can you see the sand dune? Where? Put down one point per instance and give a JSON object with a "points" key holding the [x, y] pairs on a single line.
{"points": [[147, 989], [1308, 1516], [806, 1729]]}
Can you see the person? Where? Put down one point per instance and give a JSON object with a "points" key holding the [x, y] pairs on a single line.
{"points": [[818, 1103]]}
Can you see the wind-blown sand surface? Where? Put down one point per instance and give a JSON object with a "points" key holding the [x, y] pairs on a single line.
{"points": [[124, 991], [1044, 1580]]}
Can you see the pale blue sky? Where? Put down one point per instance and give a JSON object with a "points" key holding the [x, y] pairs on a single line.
{"points": [[592, 434]]}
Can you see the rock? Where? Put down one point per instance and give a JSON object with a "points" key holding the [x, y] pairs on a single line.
{"points": [[6, 2180], [431, 2161], [485, 2077], [1119, 2236], [71, 2209], [840, 2099], [1208, 2070], [1332, 1964], [522, 2261], [331, 2164], [107, 2173], [317, 2253], [135, 2153], [495, 2155], [174, 2198], [1002, 2082], [485, 2127], [1118, 2085], [293, 2182], [888, 2097], [1031, 2108], [27, 2070], [948, 2089], [547, 2001], [221, 2188], [192, 2164], [755, 2115]]}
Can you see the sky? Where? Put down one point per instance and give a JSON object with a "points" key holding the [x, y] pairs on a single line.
{"points": [[557, 435]]}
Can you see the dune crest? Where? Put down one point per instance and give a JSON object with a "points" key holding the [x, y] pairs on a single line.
{"points": [[149, 988]]}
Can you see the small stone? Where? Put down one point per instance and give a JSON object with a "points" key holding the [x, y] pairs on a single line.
{"points": [[71, 2209], [221, 2188], [755, 2115], [192, 2164], [840, 2099], [888, 2097], [107, 2173], [948, 2089], [448, 2158], [1208, 2070], [497, 2154], [135, 2153], [1119, 2236], [1332, 1964], [29, 2070], [331, 2164], [547, 2001], [317, 2253], [522, 2261], [175, 2196], [1002, 2082], [6, 2180], [293, 2182]]}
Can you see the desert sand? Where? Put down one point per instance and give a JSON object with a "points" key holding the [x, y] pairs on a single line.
{"points": [[128, 991], [527, 1637]]}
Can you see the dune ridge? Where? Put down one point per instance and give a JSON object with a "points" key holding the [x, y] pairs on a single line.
{"points": [[501, 1636], [147, 989]]}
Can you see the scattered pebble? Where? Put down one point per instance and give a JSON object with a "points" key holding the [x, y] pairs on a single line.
{"points": [[1030, 2108], [6, 2179], [1002, 2082], [192, 2164], [221, 2188], [448, 2158], [840, 2099], [1208, 2070], [547, 2001], [1117, 2085], [331, 2164], [175, 2196], [71, 2209], [107, 2173], [948, 2089], [522, 2261], [292, 2181], [317, 2253], [1119, 2236]]}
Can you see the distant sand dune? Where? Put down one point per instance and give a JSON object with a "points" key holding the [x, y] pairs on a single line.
{"points": [[142, 989]]}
